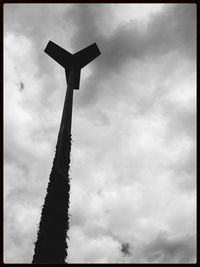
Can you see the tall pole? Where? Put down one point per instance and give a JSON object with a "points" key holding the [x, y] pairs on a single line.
{"points": [[51, 245]]}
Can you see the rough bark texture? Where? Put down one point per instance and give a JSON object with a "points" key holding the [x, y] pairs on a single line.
{"points": [[51, 245]]}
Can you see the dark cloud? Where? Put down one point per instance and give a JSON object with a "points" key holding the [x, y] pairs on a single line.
{"points": [[164, 249], [181, 121], [171, 30], [185, 170], [90, 22]]}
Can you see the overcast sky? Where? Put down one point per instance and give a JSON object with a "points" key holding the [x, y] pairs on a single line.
{"points": [[133, 159]]}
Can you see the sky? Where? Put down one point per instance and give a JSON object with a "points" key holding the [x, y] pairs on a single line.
{"points": [[133, 158]]}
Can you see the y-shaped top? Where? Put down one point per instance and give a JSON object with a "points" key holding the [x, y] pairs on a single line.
{"points": [[76, 61]]}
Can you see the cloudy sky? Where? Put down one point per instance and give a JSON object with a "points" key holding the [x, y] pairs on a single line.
{"points": [[133, 160]]}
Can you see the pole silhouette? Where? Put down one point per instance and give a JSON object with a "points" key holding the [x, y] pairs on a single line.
{"points": [[51, 245]]}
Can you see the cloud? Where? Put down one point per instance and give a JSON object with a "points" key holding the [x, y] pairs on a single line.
{"points": [[165, 249], [172, 30], [91, 250], [133, 151], [24, 150]]}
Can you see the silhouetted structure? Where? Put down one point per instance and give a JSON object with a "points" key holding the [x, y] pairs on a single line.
{"points": [[51, 245]]}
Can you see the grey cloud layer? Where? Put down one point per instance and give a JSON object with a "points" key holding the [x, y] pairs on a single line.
{"points": [[142, 82], [171, 250], [172, 30]]}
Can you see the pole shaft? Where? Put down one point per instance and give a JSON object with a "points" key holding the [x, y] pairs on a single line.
{"points": [[51, 244]]}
